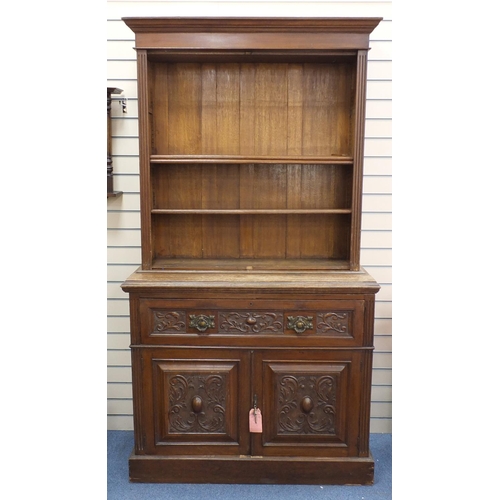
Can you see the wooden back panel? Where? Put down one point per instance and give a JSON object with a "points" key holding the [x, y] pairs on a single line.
{"points": [[253, 109]]}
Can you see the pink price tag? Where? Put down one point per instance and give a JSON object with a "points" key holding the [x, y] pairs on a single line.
{"points": [[255, 420]]}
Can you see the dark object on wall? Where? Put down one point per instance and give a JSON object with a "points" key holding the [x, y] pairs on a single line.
{"points": [[111, 191]]}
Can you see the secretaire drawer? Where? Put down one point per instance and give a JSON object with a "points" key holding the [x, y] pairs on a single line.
{"points": [[340, 321]]}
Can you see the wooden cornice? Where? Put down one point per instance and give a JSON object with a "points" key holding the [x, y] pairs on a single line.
{"points": [[251, 24], [250, 33]]}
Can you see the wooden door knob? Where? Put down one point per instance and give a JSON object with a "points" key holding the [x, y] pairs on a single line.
{"points": [[196, 404], [306, 404]]}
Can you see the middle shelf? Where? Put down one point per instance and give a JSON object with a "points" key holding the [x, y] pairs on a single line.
{"points": [[241, 159], [236, 211]]}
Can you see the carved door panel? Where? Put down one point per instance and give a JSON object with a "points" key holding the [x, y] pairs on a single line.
{"points": [[309, 403], [196, 399]]}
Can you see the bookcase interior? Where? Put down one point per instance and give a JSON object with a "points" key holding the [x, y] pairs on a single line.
{"points": [[251, 161]]}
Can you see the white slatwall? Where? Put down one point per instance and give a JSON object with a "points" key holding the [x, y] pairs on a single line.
{"points": [[123, 212]]}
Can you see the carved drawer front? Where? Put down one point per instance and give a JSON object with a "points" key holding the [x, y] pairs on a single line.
{"points": [[306, 403], [196, 405], [336, 323], [340, 321]]}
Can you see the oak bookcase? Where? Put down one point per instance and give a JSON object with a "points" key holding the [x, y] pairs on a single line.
{"points": [[250, 293]]}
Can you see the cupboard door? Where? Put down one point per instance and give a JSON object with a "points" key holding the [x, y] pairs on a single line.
{"points": [[194, 399], [310, 403]]}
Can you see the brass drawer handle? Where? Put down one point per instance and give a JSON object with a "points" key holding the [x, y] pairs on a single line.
{"points": [[201, 322], [300, 323]]}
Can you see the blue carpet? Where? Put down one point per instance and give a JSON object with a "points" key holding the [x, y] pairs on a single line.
{"points": [[121, 443]]}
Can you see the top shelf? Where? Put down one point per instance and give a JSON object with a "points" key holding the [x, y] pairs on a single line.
{"points": [[333, 159]]}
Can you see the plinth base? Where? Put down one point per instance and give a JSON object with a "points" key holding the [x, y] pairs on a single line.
{"points": [[251, 470]]}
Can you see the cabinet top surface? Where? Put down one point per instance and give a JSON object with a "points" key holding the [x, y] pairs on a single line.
{"points": [[327, 282]]}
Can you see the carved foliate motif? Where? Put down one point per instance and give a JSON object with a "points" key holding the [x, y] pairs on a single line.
{"points": [[307, 404], [169, 321], [197, 403], [329, 322], [250, 322]]}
